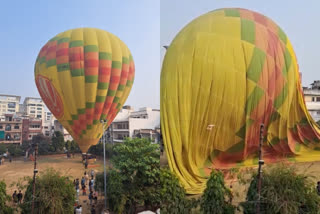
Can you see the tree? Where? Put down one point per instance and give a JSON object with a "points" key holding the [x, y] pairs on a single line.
{"points": [[134, 182], [4, 198], [3, 148], [115, 191], [58, 141], [216, 197], [15, 150], [54, 194], [283, 191], [98, 150], [138, 162], [43, 144], [172, 195]]}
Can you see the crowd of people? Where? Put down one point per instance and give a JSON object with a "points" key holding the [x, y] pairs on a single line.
{"points": [[87, 180]]}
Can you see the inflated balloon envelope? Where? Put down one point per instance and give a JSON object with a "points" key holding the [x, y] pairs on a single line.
{"points": [[84, 75], [223, 75]]}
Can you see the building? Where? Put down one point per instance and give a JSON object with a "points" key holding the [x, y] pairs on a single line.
{"points": [[9, 104], [58, 127], [34, 107], [10, 130], [31, 127], [130, 123], [48, 124], [312, 99]]}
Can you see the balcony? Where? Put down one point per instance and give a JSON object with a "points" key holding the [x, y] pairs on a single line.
{"points": [[120, 130]]}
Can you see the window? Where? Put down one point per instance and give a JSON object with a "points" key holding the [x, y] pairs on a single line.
{"points": [[8, 127], [1, 127], [31, 104], [39, 104], [39, 108], [32, 112], [16, 136], [318, 112], [46, 127], [47, 133], [11, 105], [318, 99], [312, 99], [16, 126], [35, 126], [11, 110], [38, 116]]}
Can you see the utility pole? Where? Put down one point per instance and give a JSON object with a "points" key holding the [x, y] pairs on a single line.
{"points": [[261, 162], [103, 122], [35, 171]]}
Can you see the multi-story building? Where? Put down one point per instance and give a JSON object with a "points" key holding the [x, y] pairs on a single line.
{"points": [[10, 130], [130, 123], [312, 99], [48, 124], [34, 107], [31, 127], [9, 104]]}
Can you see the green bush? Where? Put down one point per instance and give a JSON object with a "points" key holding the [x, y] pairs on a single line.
{"points": [[4, 198], [3, 148], [172, 195], [115, 192], [98, 150], [216, 197], [283, 191], [138, 162], [134, 182], [54, 194]]}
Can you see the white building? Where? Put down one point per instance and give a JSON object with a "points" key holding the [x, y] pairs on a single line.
{"points": [[312, 99], [9, 104], [129, 123], [58, 127], [34, 107]]}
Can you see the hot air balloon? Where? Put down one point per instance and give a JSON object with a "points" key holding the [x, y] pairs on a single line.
{"points": [[84, 75], [224, 74]]}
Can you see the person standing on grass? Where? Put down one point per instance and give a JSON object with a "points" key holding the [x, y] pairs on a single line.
{"points": [[83, 181], [15, 197], [86, 164], [84, 191], [79, 209], [77, 184], [92, 183], [95, 196], [19, 197], [86, 177], [92, 173], [90, 197], [93, 210]]}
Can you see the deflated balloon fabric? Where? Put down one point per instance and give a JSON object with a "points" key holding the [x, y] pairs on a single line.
{"points": [[84, 75], [223, 75]]}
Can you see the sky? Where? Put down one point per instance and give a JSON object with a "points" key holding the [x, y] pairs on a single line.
{"points": [[299, 20], [27, 25]]}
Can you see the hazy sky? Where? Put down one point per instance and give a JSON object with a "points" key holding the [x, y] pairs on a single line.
{"points": [[299, 20], [27, 25]]}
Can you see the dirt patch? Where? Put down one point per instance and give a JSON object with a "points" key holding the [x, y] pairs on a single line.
{"points": [[71, 167]]}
